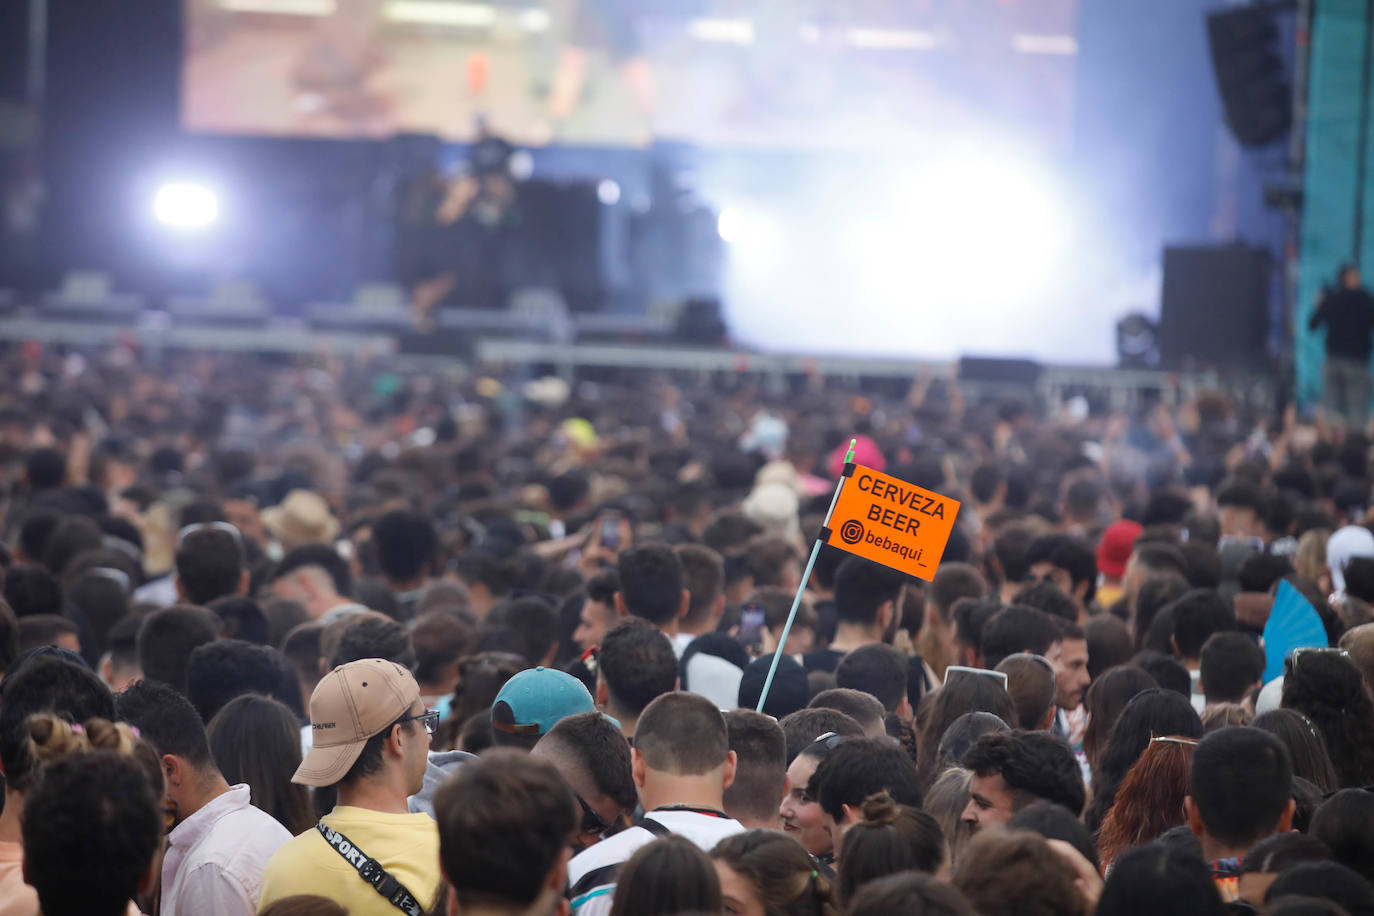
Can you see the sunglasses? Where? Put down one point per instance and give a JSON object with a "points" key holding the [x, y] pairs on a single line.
{"points": [[117, 576], [821, 746], [980, 672], [591, 821], [430, 718], [828, 742], [209, 526], [1317, 650]]}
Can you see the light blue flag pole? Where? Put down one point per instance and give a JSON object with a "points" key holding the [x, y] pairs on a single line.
{"points": [[806, 576]]}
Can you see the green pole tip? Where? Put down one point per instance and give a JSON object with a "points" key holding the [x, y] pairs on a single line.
{"points": [[849, 456]]}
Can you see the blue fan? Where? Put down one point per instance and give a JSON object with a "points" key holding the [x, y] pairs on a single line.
{"points": [[1293, 624]]}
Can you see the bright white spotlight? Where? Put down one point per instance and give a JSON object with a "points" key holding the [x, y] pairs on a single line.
{"points": [[186, 206], [973, 212], [730, 225], [608, 192], [521, 165]]}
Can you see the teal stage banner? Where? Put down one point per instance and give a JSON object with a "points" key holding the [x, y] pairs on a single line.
{"points": [[1330, 215]]}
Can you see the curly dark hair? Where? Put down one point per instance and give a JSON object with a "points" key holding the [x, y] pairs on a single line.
{"points": [[1034, 765], [1328, 689]]}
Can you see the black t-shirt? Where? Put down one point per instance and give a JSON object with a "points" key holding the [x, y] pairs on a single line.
{"points": [[1349, 318], [826, 660]]}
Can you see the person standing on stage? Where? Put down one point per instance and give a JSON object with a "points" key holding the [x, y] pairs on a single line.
{"points": [[1348, 314]]}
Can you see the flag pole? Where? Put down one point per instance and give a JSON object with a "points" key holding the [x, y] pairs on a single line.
{"points": [[806, 576]]}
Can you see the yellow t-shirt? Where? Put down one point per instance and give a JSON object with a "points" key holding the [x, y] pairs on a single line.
{"points": [[406, 845]]}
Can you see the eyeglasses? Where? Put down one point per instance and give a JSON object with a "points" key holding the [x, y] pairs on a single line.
{"points": [[209, 526], [430, 718], [979, 672], [591, 821]]}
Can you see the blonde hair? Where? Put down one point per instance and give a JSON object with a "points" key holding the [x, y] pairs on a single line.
{"points": [[50, 737], [1310, 559], [1226, 715], [945, 801]]}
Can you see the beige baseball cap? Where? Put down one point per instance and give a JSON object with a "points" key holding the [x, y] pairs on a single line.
{"points": [[351, 704]]}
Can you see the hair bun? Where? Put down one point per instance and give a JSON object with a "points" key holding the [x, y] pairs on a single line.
{"points": [[879, 810], [51, 736], [103, 734]]}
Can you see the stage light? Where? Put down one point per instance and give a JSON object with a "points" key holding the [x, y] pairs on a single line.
{"points": [[534, 20], [1061, 45], [730, 225], [970, 247], [892, 39], [993, 218], [521, 165], [183, 205], [608, 192], [725, 31]]}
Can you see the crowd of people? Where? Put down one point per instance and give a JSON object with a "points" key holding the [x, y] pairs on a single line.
{"points": [[321, 638]]}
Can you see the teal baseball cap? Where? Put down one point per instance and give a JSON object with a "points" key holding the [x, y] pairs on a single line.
{"points": [[537, 699]]}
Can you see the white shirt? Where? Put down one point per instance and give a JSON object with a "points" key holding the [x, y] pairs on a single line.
{"points": [[705, 830], [215, 858], [162, 592], [680, 643], [714, 678]]}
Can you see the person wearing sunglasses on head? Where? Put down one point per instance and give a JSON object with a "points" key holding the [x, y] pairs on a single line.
{"points": [[210, 563], [1326, 687], [372, 736], [852, 771], [801, 814]]}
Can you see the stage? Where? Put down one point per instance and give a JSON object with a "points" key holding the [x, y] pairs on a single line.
{"points": [[574, 346]]}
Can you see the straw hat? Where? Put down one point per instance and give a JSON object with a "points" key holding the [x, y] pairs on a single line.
{"points": [[302, 518]]}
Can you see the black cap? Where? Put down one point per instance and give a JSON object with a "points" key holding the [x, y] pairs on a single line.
{"points": [[788, 693]]}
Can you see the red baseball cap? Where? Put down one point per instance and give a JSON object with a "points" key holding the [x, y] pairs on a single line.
{"points": [[1115, 548]]}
